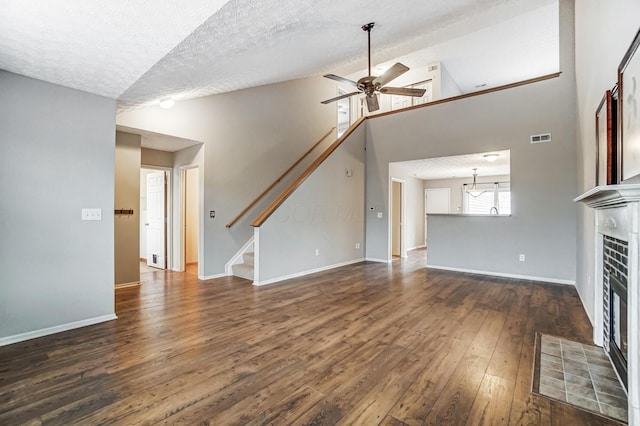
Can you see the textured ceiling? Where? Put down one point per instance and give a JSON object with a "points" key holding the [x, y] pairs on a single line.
{"points": [[458, 166], [138, 51]]}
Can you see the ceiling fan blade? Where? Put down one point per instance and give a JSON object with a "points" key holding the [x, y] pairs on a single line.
{"points": [[337, 98], [404, 91], [395, 71], [372, 102], [341, 79]]}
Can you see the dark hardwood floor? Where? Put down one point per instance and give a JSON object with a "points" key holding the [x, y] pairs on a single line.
{"points": [[365, 344]]}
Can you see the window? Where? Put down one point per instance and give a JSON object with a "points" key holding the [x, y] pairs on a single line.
{"points": [[496, 199]]}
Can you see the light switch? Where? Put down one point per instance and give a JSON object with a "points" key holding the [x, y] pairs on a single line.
{"points": [[379, 215], [91, 214]]}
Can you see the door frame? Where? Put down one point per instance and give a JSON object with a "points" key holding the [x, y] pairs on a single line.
{"points": [[181, 234], [403, 218], [168, 241]]}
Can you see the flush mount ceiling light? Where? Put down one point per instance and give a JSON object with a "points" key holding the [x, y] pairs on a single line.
{"points": [[474, 191], [167, 103], [491, 157]]}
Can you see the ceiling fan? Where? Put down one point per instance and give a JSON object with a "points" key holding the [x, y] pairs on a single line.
{"points": [[371, 85]]}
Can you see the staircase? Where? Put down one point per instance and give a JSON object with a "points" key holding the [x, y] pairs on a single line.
{"points": [[244, 269]]}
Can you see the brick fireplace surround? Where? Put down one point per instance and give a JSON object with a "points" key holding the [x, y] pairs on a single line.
{"points": [[618, 218]]}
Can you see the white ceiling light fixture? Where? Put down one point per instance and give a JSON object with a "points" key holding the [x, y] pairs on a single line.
{"points": [[167, 103], [474, 191], [491, 157]]}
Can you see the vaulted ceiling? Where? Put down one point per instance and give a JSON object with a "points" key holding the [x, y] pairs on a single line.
{"points": [[139, 51]]}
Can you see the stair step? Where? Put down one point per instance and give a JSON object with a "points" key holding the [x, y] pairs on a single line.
{"points": [[248, 258], [243, 270]]}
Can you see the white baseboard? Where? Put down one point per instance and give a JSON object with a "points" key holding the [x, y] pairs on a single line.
{"points": [[311, 271], [500, 274], [56, 329], [371, 259], [212, 277], [416, 247]]}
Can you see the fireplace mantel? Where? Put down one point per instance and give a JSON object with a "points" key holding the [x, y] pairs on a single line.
{"points": [[618, 216], [602, 197]]}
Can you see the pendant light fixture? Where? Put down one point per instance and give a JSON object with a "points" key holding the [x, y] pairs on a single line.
{"points": [[474, 191]]}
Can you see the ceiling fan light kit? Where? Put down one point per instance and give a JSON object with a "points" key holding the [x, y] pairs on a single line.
{"points": [[371, 85]]}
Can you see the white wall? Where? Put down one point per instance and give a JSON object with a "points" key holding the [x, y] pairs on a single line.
{"points": [[604, 31], [250, 137], [56, 157]]}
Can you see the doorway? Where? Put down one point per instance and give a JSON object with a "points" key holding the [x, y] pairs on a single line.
{"points": [[397, 218], [154, 216], [344, 113], [191, 209]]}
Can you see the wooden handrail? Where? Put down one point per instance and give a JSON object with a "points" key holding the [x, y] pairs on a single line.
{"points": [[287, 192], [470, 95], [259, 197]]}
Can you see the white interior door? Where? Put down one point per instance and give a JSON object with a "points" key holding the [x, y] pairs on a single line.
{"points": [[156, 220]]}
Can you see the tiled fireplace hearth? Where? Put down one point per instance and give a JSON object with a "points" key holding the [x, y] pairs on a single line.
{"points": [[617, 283]]}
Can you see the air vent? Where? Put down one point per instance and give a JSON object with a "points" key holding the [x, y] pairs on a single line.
{"points": [[545, 137]]}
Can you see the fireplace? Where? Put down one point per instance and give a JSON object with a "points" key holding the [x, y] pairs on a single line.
{"points": [[618, 344], [616, 297], [615, 266]]}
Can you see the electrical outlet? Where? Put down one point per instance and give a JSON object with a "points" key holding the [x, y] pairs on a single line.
{"points": [[522, 258], [357, 245]]}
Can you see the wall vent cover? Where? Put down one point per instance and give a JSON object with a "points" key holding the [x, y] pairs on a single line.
{"points": [[545, 137]]}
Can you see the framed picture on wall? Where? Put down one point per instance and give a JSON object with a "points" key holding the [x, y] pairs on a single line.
{"points": [[604, 142], [629, 113]]}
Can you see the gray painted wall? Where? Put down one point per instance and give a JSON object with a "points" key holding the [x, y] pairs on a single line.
{"points": [[325, 213], [56, 157], [127, 196], [250, 137], [542, 177], [604, 31]]}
